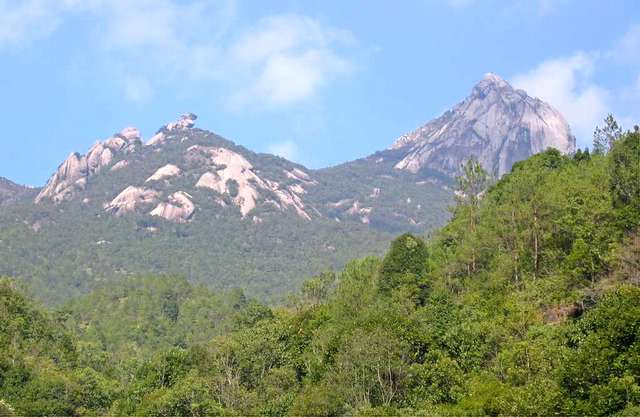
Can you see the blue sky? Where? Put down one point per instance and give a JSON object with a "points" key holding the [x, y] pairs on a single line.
{"points": [[318, 82]]}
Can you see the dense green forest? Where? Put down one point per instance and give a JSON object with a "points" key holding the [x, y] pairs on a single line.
{"points": [[526, 303]]}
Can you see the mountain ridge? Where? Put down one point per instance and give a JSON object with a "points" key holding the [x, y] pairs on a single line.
{"points": [[10, 191], [190, 201]]}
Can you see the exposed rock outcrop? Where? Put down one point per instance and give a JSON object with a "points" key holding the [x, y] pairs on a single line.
{"points": [[362, 212], [166, 171], [73, 174], [234, 174], [496, 124], [131, 199], [178, 209], [186, 121], [119, 165]]}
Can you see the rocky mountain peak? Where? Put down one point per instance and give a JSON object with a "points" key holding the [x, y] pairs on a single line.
{"points": [[72, 175], [179, 171], [186, 121], [496, 124], [491, 80]]}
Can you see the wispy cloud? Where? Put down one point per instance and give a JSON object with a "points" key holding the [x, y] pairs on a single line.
{"points": [[28, 20], [567, 84], [286, 59], [279, 60], [570, 84]]}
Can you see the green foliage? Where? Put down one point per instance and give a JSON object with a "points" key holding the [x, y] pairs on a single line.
{"points": [[6, 410], [67, 250], [605, 137], [405, 267], [624, 164], [603, 373], [39, 370], [136, 316], [532, 309]]}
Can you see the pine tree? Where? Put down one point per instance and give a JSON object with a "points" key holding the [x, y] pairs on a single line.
{"points": [[471, 185], [604, 137]]}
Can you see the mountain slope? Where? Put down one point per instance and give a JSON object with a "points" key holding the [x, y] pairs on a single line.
{"points": [[496, 124], [193, 203], [534, 311], [186, 203], [9, 191]]}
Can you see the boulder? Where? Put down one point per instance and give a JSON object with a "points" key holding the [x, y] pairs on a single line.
{"points": [[131, 199], [178, 209]]}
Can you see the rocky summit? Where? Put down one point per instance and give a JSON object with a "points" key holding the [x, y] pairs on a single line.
{"points": [[198, 160], [496, 124]]}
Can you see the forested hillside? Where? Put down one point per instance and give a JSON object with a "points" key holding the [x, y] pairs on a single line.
{"points": [[526, 303], [189, 202]]}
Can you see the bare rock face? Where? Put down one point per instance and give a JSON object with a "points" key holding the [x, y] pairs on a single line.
{"points": [[166, 171], [233, 174], [74, 172], [119, 165], [131, 199], [362, 212], [186, 121], [178, 209], [496, 124]]}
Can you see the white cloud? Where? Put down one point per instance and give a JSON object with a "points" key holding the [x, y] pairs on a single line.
{"points": [[27, 20], [287, 150], [280, 60], [567, 84], [286, 59]]}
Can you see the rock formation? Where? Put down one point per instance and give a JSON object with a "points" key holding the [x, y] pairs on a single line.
{"points": [[186, 121], [496, 124], [178, 209], [73, 174], [166, 171], [234, 175], [131, 199]]}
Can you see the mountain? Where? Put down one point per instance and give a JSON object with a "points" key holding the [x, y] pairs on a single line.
{"points": [[535, 311], [187, 201], [9, 191], [182, 171], [496, 123]]}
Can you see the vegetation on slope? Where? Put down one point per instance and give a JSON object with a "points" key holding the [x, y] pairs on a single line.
{"points": [[526, 303], [69, 249]]}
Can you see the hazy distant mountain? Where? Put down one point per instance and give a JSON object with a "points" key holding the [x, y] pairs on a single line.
{"points": [[497, 124], [189, 202]]}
